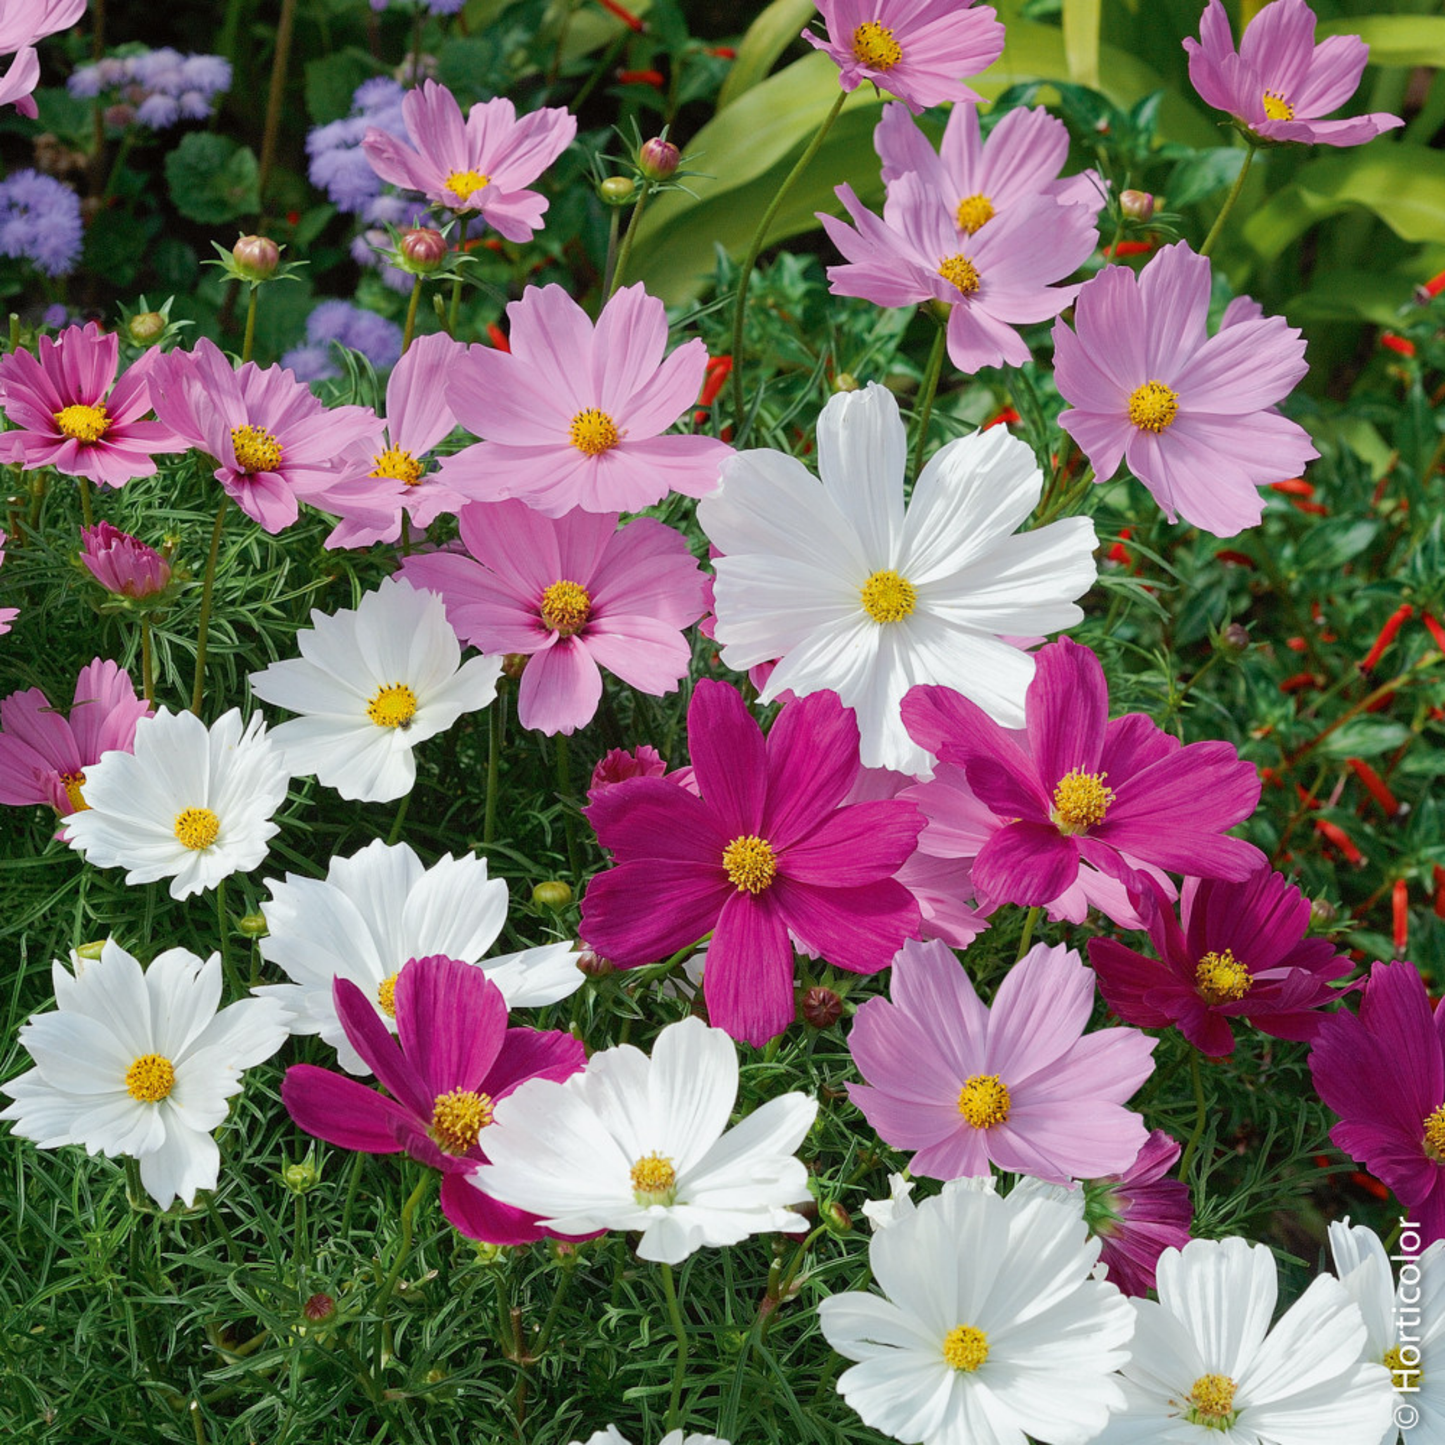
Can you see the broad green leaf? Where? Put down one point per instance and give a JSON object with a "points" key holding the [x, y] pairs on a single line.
{"points": [[212, 179], [1081, 40], [766, 39], [1364, 737], [331, 80], [1374, 296], [1395, 39]]}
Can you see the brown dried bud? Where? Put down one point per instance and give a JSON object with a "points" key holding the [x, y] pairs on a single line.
{"points": [[822, 1007], [319, 1308]]}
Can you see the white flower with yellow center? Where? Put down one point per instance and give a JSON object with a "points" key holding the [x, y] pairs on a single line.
{"points": [[613, 1436], [141, 1064], [639, 1143], [372, 684], [191, 803], [854, 591]]}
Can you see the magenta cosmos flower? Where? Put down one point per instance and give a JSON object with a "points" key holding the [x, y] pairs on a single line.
{"points": [[1237, 950], [1383, 1073], [73, 415], [918, 50], [1088, 790], [453, 1059], [1139, 1214], [1017, 1084], [994, 279], [1280, 82], [574, 415], [483, 164], [575, 594], [1192, 414], [765, 850], [123, 564], [275, 442], [44, 753]]}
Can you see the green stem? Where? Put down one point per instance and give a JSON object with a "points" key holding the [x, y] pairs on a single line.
{"points": [[755, 246], [398, 821], [223, 925], [456, 308], [37, 498], [564, 789], [674, 1314], [353, 1184], [1030, 922], [408, 1212], [496, 722], [147, 663], [1233, 196], [558, 1296], [609, 267], [275, 101], [87, 511], [410, 329], [626, 250], [930, 390], [135, 1191], [249, 339], [208, 588], [1199, 1117]]}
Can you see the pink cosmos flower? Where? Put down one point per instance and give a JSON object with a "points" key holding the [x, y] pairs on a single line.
{"points": [[1237, 950], [575, 594], [1280, 82], [1192, 414], [1383, 1073], [44, 753], [767, 849], [481, 165], [642, 762], [22, 25], [1139, 1214], [574, 416], [917, 50], [453, 1059], [994, 280], [1088, 790], [7, 614], [123, 564], [274, 440], [1017, 1084], [69, 415]]}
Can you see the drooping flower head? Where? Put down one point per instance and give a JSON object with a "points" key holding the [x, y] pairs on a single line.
{"points": [[123, 564], [1139, 1213]]}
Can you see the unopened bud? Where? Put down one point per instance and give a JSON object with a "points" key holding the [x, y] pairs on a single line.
{"points": [[513, 664], [146, 327], [1322, 913], [593, 964], [301, 1178], [555, 893], [489, 1254], [1235, 638], [319, 1308], [658, 159], [838, 1220], [822, 1007], [91, 950], [845, 381], [253, 925], [617, 190], [424, 249], [257, 257], [1137, 205]]}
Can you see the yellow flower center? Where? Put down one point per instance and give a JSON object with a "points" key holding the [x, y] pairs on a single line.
{"points": [[1211, 1402], [386, 995], [984, 1101], [197, 828], [960, 273], [750, 863], [150, 1078], [965, 1348], [1276, 107], [458, 1117], [1435, 1134], [566, 606], [465, 184], [887, 597], [1152, 407], [654, 1180], [73, 783], [1406, 1377], [257, 450], [593, 432], [83, 423], [973, 212], [875, 47], [393, 706], [400, 466], [1080, 801], [1222, 978]]}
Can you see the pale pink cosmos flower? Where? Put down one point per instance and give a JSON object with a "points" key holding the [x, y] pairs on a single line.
{"points": [[23, 23], [574, 415], [482, 164], [123, 564], [1192, 414], [73, 415], [1280, 83]]}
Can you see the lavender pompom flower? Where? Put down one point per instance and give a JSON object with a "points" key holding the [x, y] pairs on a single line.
{"points": [[40, 222], [164, 86], [376, 338]]}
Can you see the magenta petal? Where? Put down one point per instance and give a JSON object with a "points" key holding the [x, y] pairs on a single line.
{"points": [[643, 912], [479, 1216], [748, 977], [379, 1050], [532, 1054], [645, 818], [451, 1019], [859, 928], [813, 760], [344, 1111], [1067, 707], [729, 757], [1026, 863], [858, 844]]}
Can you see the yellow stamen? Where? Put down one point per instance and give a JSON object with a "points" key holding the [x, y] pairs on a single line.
{"points": [[150, 1078], [257, 450], [393, 706], [960, 273], [400, 466], [1211, 1402], [458, 1117], [875, 47], [750, 863], [965, 1348], [654, 1180], [465, 184], [1080, 801], [887, 597], [386, 995], [1434, 1127], [1222, 978], [984, 1101], [566, 606], [593, 432], [1276, 107], [1406, 1377], [83, 423], [73, 783], [1152, 407], [974, 212], [197, 828]]}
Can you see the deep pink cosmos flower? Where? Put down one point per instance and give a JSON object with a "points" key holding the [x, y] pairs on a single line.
{"points": [[1139, 1214], [70, 417], [918, 50], [619, 764], [575, 594], [1383, 1073], [1280, 82], [1017, 1084], [1192, 414], [44, 753], [764, 851], [483, 164], [453, 1058], [1088, 790], [1237, 950], [574, 416], [22, 25], [7, 614], [123, 564]]}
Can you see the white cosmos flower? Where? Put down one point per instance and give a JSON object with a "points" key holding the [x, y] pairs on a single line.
{"points": [[372, 684], [639, 1143], [613, 1436], [191, 803], [1209, 1370], [991, 1327], [141, 1064], [378, 909], [857, 593]]}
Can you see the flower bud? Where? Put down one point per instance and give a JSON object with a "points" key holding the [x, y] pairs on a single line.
{"points": [[845, 381], [123, 564], [658, 159], [256, 257], [838, 1220], [822, 1007], [91, 950], [1322, 913], [1235, 638], [617, 190], [1137, 205], [424, 249], [555, 894], [301, 1178], [489, 1254], [145, 327], [319, 1308], [253, 925], [593, 964]]}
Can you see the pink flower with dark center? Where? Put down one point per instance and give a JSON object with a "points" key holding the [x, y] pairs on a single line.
{"points": [[1280, 83], [482, 165], [72, 414], [22, 25], [44, 753], [1088, 790], [453, 1059], [574, 415], [1139, 1214], [1017, 1084], [575, 594], [766, 850], [1192, 414], [121, 563], [918, 50]]}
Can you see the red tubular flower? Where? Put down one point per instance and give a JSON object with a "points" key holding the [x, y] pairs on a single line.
{"points": [[621, 13], [1394, 623], [1402, 346], [1336, 835], [1006, 416], [1435, 630], [1400, 910], [1293, 487], [1434, 286], [654, 78], [1301, 682], [1375, 785], [1128, 248], [1239, 559], [1314, 509], [498, 337]]}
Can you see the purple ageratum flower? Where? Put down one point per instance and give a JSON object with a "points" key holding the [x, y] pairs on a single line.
{"points": [[1280, 83], [1017, 1084], [1383, 1073], [454, 1058], [917, 50], [766, 850], [1089, 790], [353, 327], [123, 564], [1139, 1214], [1192, 414], [574, 594], [40, 222]]}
